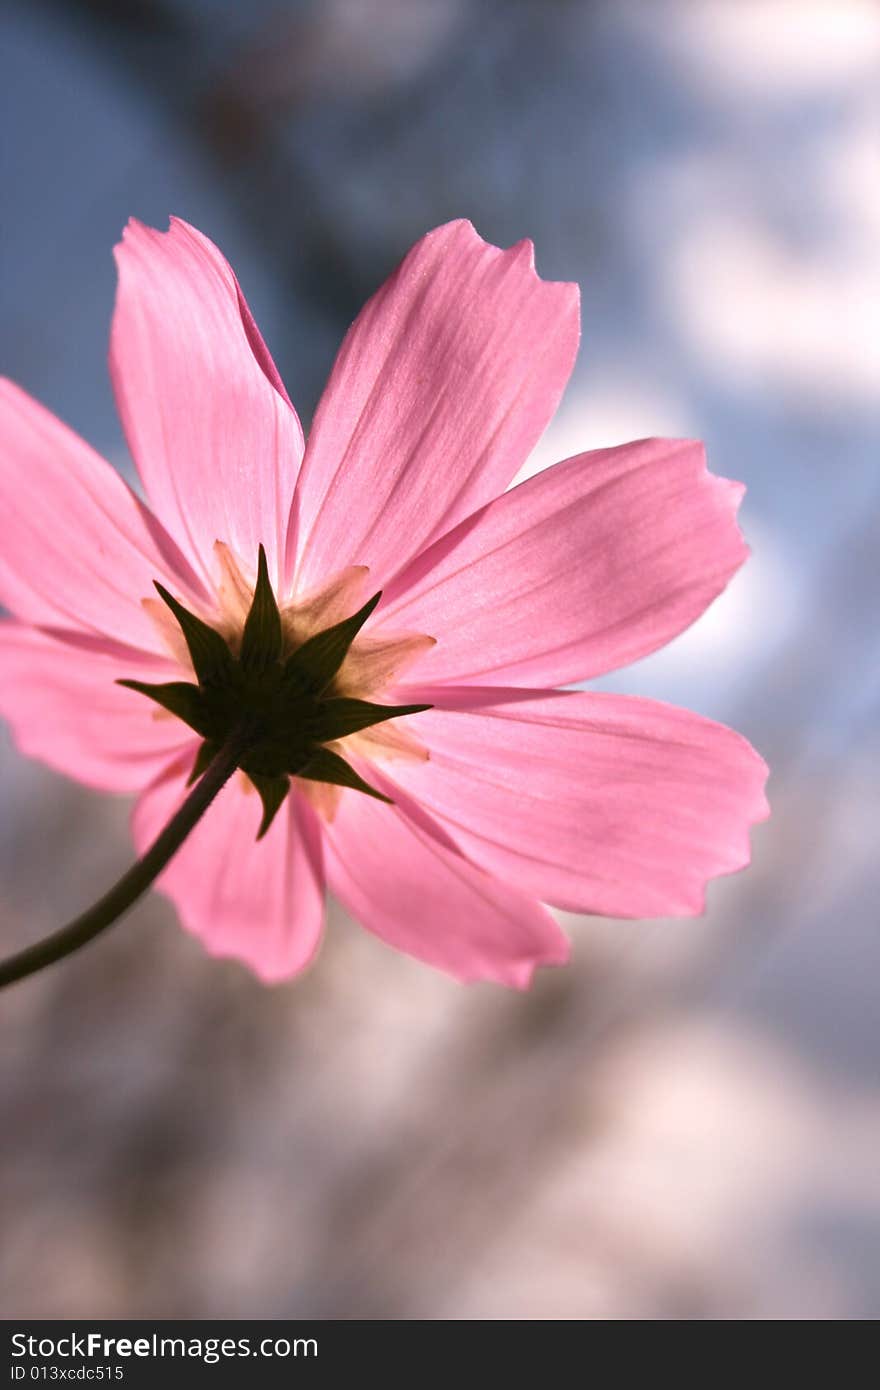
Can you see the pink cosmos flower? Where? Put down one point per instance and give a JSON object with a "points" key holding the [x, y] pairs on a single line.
{"points": [[508, 793]]}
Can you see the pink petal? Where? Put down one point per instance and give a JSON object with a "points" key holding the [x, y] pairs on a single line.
{"points": [[596, 803], [65, 709], [577, 571], [443, 384], [399, 875], [78, 551], [215, 438], [259, 902]]}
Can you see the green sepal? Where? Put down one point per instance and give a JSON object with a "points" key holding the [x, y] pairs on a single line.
{"points": [[204, 757], [337, 717], [272, 791], [326, 766], [211, 658], [178, 697], [311, 668], [261, 639]]}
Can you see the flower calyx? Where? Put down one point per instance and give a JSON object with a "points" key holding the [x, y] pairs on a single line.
{"points": [[282, 704]]}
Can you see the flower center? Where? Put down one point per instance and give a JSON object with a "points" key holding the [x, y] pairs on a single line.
{"points": [[283, 704]]}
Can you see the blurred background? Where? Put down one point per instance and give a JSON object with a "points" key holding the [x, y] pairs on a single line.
{"points": [[685, 1123]]}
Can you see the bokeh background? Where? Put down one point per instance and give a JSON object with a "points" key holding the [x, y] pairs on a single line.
{"points": [[684, 1124]]}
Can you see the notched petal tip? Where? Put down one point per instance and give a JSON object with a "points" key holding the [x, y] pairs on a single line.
{"points": [[524, 249], [517, 973], [753, 809], [520, 254], [759, 804], [726, 493], [136, 237], [522, 973]]}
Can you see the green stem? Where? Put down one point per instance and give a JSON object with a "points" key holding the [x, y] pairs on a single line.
{"points": [[126, 891]]}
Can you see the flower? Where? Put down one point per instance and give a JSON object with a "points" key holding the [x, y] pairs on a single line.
{"points": [[507, 792]]}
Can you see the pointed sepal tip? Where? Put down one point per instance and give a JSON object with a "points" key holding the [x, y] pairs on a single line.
{"points": [[326, 766], [211, 657], [312, 666], [273, 791], [262, 638]]}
